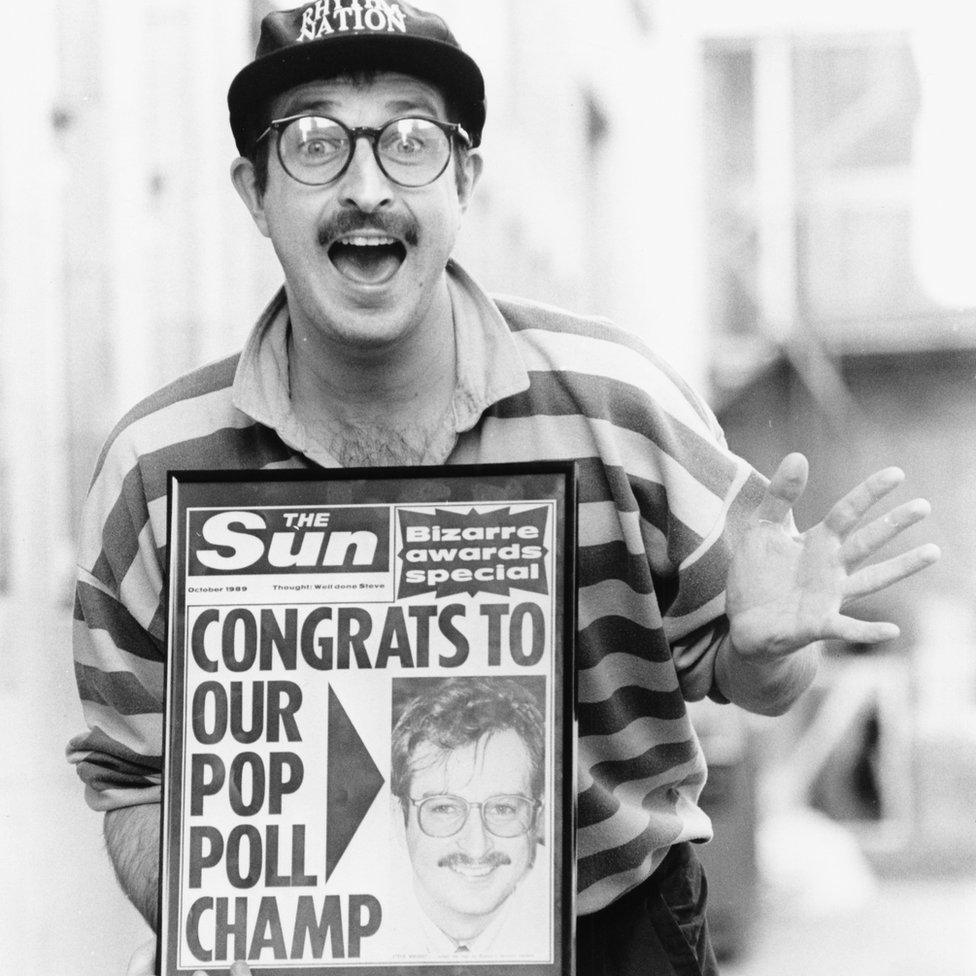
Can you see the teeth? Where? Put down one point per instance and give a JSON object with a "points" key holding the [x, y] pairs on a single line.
{"points": [[474, 871], [368, 241]]}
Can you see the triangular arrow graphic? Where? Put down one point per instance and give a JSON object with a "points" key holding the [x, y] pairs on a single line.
{"points": [[352, 781]]}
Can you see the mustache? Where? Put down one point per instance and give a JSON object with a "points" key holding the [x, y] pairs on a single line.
{"points": [[351, 220], [493, 859]]}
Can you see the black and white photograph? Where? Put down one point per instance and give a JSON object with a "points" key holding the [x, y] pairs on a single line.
{"points": [[369, 721], [480, 873], [486, 488]]}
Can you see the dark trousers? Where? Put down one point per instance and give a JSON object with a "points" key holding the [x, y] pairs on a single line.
{"points": [[658, 929]]}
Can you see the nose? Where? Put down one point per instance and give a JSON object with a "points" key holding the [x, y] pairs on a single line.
{"points": [[473, 839], [364, 184]]}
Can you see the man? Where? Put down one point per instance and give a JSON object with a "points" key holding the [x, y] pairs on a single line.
{"points": [[468, 768], [357, 134]]}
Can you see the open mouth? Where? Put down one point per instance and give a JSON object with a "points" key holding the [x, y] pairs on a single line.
{"points": [[367, 260]]}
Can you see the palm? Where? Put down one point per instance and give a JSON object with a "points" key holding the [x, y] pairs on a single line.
{"points": [[786, 590]]}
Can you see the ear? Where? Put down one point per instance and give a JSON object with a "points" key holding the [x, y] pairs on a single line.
{"points": [[242, 176], [398, 821], [468, 178], [540, 825]]}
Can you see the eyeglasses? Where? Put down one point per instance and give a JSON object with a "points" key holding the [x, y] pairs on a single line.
{"points": [[505, 815], [411, 151]]}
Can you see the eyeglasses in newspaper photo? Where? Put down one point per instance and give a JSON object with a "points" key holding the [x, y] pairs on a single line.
{"points": [[505, 815]]}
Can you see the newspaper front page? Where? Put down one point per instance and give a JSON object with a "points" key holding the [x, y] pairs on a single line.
{"points": [[369, 743]]}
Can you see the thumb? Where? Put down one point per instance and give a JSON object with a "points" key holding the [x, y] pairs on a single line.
{"points": [[143, 961], [788, 483]]}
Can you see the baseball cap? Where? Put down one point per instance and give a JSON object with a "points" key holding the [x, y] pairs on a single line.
{"points": [[326, 38]]}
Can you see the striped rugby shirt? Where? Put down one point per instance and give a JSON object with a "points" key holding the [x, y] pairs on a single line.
{"points": [[661, 500]]}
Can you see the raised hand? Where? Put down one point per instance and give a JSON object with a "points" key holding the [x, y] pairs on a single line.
{"points": [[787, 589]]}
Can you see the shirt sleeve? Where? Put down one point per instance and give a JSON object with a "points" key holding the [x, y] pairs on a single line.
{"points": [[695, 621], [118, 637]]}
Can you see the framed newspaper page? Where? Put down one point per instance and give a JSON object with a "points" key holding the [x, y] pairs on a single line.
{"points": [[369, 730]]}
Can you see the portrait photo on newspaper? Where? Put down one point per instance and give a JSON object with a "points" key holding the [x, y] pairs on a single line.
{"points": [[369, 745]]}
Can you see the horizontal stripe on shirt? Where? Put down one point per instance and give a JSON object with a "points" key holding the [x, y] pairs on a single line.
{"points": [[661, 501]]}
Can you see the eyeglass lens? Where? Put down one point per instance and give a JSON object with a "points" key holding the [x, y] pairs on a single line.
{"points": [[503, 816], [410, 151]]}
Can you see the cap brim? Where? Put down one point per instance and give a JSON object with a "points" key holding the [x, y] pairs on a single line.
{"points": [[443, 65]]}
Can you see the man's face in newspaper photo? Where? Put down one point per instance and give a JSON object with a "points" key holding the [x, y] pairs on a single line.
{"points": [[471, 828]]}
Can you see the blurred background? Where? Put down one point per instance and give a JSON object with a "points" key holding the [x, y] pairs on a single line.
{"points": [[779, 198]]}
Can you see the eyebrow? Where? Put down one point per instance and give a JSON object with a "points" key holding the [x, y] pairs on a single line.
{"points": [[420, 104], [302, 105]]}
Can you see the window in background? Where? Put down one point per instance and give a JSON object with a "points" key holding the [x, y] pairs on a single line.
{"points": [[945, 162], [856, 104], [811, 147], [729, 182]]}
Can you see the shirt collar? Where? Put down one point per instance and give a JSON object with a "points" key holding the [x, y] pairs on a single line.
{"points": [[489, 367]]}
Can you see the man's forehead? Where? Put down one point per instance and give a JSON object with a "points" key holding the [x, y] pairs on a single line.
{"points": [[391, 92]]}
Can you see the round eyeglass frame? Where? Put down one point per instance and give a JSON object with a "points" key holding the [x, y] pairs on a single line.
{"points": [[453, 131], [535, 805]]}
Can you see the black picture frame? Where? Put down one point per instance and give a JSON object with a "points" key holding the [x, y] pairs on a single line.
{"points": [[445, 582]]}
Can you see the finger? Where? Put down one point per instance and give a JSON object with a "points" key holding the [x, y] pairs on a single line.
{"points": [[239, 969], [870, 579], [845, 515], [787, 484], [143, 960], [867, 541], [862, 631]]}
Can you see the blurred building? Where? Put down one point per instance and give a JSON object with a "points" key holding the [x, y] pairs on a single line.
{"points": [[123, 260], [843, 323]]}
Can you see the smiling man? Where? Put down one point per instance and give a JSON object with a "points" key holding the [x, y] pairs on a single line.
{"points": [[364, 228], [468, 767], [358, 125], [360, 181]]}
